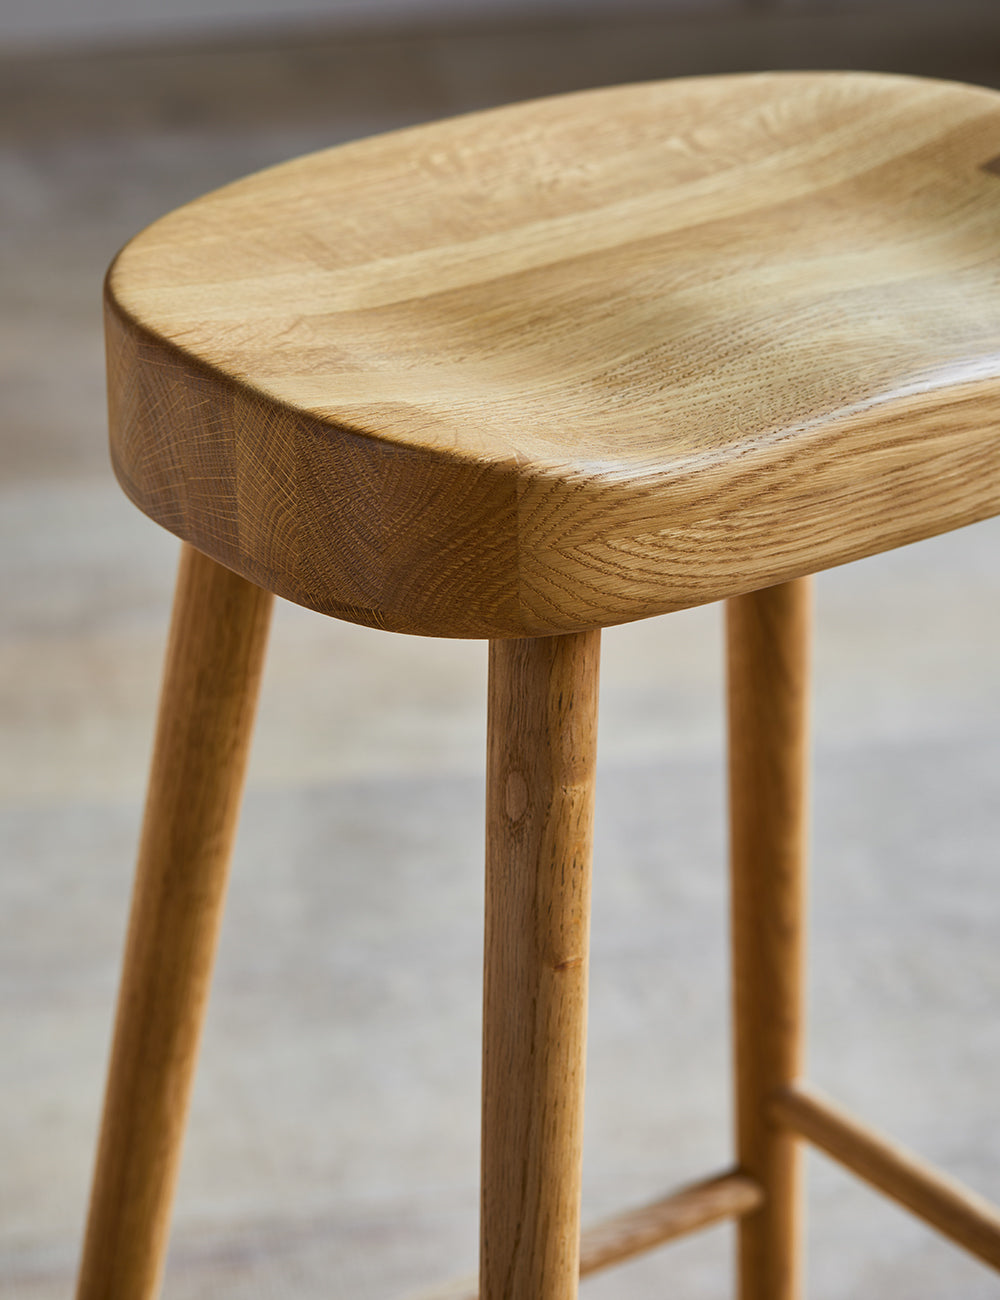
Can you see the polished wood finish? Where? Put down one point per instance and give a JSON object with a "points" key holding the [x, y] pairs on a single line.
{"points": [[698, 1205], [768, 654], [213, 667], [533, 372], [963, 1216], [579, 361], [539, 818]]}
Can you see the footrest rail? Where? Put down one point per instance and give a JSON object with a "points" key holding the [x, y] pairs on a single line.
{"points": [[698, 1205], [963, 1216]]}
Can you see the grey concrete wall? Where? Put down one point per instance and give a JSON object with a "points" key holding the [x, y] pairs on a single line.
{"points": [[46, 21]]}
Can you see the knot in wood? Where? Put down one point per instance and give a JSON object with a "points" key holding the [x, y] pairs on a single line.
{"points": [[515, 799]]}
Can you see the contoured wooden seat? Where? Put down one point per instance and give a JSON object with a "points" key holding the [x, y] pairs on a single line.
{"points": [[574, 362]]}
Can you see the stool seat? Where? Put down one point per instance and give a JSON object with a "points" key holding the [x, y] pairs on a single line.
{"points": [[570, 363]]}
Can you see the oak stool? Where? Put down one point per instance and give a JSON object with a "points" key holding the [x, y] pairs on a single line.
{"points": [[521, 376]]}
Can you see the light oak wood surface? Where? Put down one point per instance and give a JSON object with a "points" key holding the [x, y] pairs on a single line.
{"points": [[214, 662], [635, 1231], [539, 836], [578, 361], [962, 1215], [699, 1205], [768, 635]]}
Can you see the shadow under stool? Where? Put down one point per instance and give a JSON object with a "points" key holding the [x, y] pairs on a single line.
{"points": [[521, 376]]}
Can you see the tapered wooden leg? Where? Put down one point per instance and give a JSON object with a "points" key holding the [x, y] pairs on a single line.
{"points": [[540, 782], [213, 668], [768, 645]]}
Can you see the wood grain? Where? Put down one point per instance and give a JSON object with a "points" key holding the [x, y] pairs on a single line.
{"points": [[699, 1205], [539, 818], [631, 1233], [578, 361], [214, 661], [961, 1215], [768, 637]]}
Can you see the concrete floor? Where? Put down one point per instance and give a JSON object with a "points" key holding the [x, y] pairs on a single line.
{"points": [[333, 1145]]}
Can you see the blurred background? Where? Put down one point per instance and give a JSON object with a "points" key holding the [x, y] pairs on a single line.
{"points": [[333, 1147]]}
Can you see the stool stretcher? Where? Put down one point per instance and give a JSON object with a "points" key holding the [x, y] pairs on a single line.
{"points": [[965, 1217], [633, 1232]]}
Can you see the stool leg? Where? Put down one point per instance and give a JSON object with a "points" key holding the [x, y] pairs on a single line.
{"points": [[540, 786], [768, 650], [213, 667]]}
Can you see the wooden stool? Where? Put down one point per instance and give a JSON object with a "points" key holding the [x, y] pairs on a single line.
{"points": [[521, 376]]}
